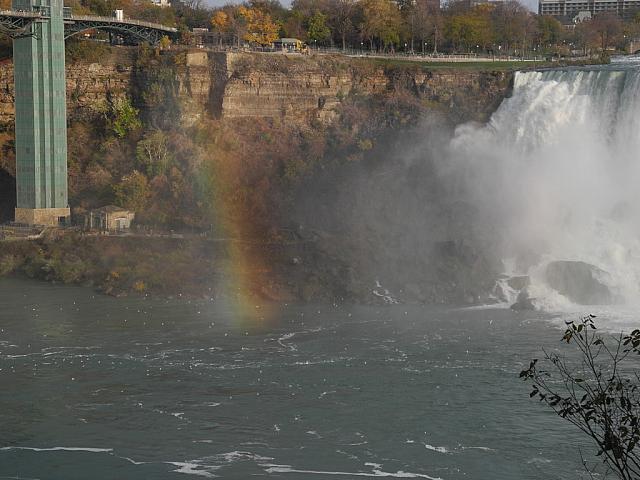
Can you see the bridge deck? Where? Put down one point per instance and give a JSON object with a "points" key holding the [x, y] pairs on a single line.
{"points": [[20, 14], [113, 20], [27, 15]]}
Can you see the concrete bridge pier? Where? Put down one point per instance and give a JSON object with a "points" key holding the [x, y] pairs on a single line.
{"points": [[41, 125], [39, 29]]}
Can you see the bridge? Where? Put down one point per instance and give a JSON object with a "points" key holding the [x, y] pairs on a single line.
{"points": [[39, 29]]}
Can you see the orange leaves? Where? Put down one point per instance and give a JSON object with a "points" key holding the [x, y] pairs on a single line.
{"points": [[220, 21], [261, 29]]}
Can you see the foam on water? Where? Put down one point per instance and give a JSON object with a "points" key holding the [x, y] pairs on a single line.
{"points": [[376, 472], [191, 469], [59, 449], [393, 378], [436, 449], [555, 174]]}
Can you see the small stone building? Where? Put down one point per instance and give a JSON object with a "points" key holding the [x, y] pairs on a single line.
{"points": [[109, 219]]}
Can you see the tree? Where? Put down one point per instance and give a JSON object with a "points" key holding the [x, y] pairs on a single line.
{"points": [[317, 29], [273, 8], [429, 23], [584, 37], [124, 117], [294, 25], [607, 27], [599, 393], [381, 21], [153, 153], [549, 31], [470, 29], [261, 29], [190, 16], [165, 42], [411, 23], [238, 23], [220, 24], [341, 17], [630, 31], [512, 25], [133, 192]]}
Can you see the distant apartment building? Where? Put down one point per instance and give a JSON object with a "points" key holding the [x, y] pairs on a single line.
{"points": [[573, 11], [468, 3]]}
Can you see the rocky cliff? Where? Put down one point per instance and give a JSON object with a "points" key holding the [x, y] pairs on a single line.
{"points": [[297, 88], [294, 87], [273, 143], [89, 85], [291, 88]]}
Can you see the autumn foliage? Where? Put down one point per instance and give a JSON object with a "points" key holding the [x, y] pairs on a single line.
{"points": [[420, 26]]}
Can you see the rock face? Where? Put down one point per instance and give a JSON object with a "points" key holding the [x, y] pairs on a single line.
{"points": [[303, 88], [309, 92], [289, 88], [524, 302], [580, 282], [89, 85]]}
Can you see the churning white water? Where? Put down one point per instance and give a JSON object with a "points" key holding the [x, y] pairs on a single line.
{"points": [[555, 175]]}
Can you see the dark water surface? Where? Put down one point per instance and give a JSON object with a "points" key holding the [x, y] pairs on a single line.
{"points": [[97, 388]]}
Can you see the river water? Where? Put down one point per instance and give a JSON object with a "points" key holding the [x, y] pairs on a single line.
{"points": [[99, 388], [103, 388]]}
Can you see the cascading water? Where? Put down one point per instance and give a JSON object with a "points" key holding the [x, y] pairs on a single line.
{"points": [[554, 176]]}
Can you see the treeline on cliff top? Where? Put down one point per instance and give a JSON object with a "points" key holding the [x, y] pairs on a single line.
{"points": [[380, 25], [420, 26]]}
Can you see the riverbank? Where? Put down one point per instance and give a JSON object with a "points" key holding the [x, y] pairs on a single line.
{"points": [[200, 268], [316, 268], [254, 144]]}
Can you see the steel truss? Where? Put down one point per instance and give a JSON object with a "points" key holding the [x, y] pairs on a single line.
{"points": [[15, 24], [132, 29]]}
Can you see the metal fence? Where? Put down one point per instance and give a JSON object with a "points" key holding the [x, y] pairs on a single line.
{"points": [[365, 53]]}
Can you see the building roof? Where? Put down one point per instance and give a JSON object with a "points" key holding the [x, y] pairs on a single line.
{"points": [[288, 40], [110, 209]]}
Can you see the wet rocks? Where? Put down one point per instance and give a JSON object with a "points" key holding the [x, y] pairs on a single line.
{"points": [[524, 302], [580, 282]]}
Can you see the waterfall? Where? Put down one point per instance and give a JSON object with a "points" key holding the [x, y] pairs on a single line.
{"points": [[555, 175]]}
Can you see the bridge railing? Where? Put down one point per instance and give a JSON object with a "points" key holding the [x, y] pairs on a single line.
{"points": [[87, 18], [127, 21], [21, 13]]}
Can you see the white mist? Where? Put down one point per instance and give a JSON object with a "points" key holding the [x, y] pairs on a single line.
{"points": [[555, 175]]}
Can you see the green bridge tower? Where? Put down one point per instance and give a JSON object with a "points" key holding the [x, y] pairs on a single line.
{"points": [[39, 29], [41, 120]]}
